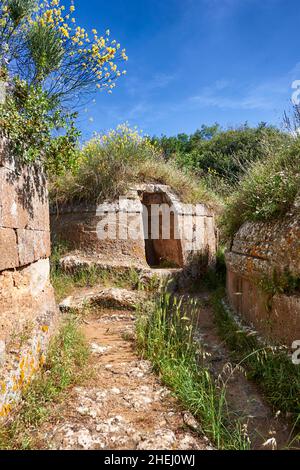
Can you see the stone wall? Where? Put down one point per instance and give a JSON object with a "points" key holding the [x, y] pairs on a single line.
{"points": [[263, 257], [130, 223], [27, 306]]}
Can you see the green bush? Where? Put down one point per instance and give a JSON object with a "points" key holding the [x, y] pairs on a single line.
{"points": [[267, 191], [29, 119], [110, 163], [47, 60], [222, 157]]}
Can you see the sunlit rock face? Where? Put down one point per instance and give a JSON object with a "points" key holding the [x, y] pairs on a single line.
{"points": [[264, 276], [148, 226], [28, 311]]}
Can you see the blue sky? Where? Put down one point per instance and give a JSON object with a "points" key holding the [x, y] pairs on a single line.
{"points": [[194, 62]]}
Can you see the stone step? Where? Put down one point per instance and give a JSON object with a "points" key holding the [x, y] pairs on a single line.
{"points": [[106, 297], [76, 262]]}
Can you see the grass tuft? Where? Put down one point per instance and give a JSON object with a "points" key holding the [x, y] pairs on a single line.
{"points": [[165, 336], [268, 190], [270, 366]]}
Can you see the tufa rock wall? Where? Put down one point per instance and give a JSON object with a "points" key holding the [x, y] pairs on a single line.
{"points": [[263, 279], [28, 311], [191, 229]]}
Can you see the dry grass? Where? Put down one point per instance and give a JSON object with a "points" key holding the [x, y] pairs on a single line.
{"points": [[107, 170], [190, 189]]}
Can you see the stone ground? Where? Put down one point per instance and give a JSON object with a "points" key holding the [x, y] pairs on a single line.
{"points": [[124, 405]]}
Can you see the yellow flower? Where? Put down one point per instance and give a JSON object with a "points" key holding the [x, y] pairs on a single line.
{"points": [[64, 32]]}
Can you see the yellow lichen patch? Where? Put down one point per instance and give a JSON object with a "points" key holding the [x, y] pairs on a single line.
{"points": [[42, 360], [255, 252], [5, 410], [3, 387], [20, 378], [15, 386]]}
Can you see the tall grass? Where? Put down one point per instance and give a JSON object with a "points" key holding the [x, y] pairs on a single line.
{"points": [[189, 188], [111, 163], [165, 336], [267, 191], [270, 366]]}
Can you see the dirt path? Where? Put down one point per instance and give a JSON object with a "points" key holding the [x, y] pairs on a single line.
{"points": [[124, 406]]}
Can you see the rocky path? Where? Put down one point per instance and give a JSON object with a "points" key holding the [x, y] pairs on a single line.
{"points": [[123, 406]]}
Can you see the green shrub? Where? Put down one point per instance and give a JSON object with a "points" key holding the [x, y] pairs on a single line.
{"points": [[47, 60], [267, 191], [28, 119], [222, 156], [112, 162]]}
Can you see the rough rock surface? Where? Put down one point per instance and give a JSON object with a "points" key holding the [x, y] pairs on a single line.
{"points": [[121, 229], [27, 306], [261, 247], [106, 297], [260, 254], [77, 261]]}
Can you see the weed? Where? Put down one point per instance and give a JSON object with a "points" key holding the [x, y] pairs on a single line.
{"points": [[20, 337], [165, 335], [280, 283], [65, 283]]}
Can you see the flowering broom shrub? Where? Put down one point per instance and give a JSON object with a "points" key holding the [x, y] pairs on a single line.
{"points": [[48, 61]]}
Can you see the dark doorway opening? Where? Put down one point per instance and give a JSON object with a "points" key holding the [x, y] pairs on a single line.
{"points": [[162, 248]]}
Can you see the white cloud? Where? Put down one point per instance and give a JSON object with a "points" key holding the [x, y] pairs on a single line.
{"points": [[266, 95], [137, 86], [215, 97]]}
